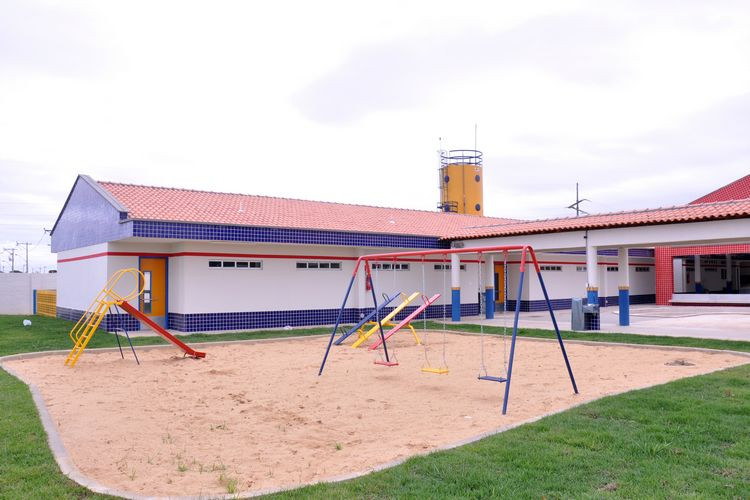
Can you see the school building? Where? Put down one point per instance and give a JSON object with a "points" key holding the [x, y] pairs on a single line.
{"points": [[223, 261]]}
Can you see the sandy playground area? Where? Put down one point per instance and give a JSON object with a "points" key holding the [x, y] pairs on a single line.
{"points": [[258, 414]]}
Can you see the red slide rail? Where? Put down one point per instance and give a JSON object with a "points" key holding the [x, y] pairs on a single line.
{"points": [[189, 351]]}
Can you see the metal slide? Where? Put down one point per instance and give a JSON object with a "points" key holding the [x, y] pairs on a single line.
{"points": [[189, 351]]}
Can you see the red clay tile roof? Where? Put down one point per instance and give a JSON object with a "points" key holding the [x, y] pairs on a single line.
{"points": [[737, 190], [182, 205], [679, 214]]}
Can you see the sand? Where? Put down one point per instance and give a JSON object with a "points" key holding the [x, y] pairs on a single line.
{"points": [[258, 414]]}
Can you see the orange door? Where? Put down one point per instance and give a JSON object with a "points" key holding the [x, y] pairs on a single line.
{"points": [[153, 301], [499, 283]]}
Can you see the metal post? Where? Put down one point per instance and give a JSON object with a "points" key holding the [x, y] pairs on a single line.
{"points": [[557, 330], [338, 321], [377, 316], [515, 332]]}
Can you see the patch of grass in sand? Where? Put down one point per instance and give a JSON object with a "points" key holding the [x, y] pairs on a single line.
{"points": [[230, 483]]}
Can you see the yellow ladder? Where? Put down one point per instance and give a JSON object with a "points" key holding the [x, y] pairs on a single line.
{"points": [[86, 326], [85, 331]]}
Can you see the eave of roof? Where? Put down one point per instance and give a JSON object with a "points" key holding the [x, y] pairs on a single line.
{"points": [[669, 215]]}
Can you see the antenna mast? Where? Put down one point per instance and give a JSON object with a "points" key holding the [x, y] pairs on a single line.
{"points": [[577, 205]]}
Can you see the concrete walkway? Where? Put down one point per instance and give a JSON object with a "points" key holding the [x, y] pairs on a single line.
{"points": [[729, 323]]}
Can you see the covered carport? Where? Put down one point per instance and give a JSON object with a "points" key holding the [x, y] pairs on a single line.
{"points": [[697, 226]]}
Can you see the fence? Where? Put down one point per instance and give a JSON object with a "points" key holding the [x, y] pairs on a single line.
{"points": [[45, 303], [17, 291]]}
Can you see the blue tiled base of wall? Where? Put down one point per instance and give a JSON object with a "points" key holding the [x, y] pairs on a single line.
{"points": [[559, 304], [276, 319], [69, 314], [110, 323]]}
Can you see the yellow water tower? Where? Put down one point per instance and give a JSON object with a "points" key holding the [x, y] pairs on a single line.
{"points": [[461, 182]]}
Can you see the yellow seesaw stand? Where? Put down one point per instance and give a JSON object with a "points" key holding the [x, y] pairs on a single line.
{"points": [[364, 336], [390, 324]]}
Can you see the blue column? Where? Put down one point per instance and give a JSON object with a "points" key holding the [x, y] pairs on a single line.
{"points": [[456, 304], [489, 303], [33, 299], [592, 295], [624, 300]]}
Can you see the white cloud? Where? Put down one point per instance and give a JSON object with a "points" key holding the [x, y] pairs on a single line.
{"points": [[644, 103]]}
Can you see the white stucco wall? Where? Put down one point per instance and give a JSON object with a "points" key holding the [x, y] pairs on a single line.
{"points": [[279, 285], [79, 281], [569, 282], [16, 290], [193, 287]]}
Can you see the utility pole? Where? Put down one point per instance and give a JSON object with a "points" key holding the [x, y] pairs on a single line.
{"points": [[577, 205], [26, 244], [12, 252]]}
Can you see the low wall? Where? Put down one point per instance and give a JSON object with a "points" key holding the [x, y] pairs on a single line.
{"points": [[16, 290]]}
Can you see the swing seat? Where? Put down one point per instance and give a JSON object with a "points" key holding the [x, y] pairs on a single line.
{"points": [[492, 379], [385, 363], [439, 371]]}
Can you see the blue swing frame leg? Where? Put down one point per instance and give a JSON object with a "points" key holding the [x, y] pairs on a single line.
{"points": [[557, 332], [364, 320], [515, 334], [380, 325], [513, 342], [336, 326]]}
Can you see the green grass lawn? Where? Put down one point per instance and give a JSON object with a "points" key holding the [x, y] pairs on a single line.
{"points": [[689, 438]]}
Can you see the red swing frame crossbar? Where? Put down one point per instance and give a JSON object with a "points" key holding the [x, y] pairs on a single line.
{"points": [[525, 250]]}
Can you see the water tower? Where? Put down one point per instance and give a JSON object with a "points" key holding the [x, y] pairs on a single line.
{"points": [[461, 181]]}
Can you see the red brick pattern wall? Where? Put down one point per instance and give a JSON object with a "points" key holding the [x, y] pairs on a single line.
{"points": [[663, 265]]}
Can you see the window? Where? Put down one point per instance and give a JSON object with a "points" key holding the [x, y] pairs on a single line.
{"points": [[387, 267], [442, 267], [642, 269], [318, 265], [235, 264], [724, 273], [550, 268], [581, 269], [613, 269]]}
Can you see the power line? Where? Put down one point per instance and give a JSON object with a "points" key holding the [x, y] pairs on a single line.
{"points": [[12, 252], [26, 244]]}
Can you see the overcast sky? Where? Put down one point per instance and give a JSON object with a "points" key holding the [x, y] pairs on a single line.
{"points": [[645, 103]]}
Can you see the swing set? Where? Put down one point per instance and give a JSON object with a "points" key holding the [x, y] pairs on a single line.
{"points": [[527, 256]]}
